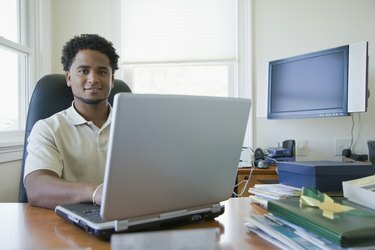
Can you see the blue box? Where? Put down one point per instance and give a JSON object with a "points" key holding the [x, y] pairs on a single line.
{"points": [[326, 176]]}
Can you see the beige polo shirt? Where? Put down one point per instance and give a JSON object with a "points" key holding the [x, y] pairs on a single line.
{"points": [[70, 146]]}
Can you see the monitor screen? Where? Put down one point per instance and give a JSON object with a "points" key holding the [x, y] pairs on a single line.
{"points": [[309, 85]]}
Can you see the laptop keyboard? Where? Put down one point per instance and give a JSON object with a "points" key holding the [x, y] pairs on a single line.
{"points": [[93, 215]]}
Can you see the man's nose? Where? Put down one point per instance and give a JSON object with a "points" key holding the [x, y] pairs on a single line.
{"points": [[92, 76]]}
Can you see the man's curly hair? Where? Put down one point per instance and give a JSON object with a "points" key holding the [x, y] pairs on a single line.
{"points": [[88, 41]]}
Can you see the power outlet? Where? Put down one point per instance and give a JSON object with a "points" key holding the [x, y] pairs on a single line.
{"points": [[340, 145], [301, 147]]}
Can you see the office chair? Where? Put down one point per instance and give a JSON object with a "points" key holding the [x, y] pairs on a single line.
{"points": [[51, 95]]}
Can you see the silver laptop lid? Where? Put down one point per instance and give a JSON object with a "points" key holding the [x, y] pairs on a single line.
{"points": [[168, 153]]}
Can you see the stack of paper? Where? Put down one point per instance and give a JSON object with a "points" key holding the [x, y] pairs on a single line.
{"points": [[284, 234], [265, 192], [361, 191]]}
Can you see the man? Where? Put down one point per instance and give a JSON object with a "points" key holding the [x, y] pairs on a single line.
{"points": [[67, 151]]}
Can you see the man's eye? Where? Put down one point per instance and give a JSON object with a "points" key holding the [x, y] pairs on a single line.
{"points": [[103, 72], [83, 71]]}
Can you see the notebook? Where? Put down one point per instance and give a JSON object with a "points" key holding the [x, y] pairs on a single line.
{"points": [[171, 160]]}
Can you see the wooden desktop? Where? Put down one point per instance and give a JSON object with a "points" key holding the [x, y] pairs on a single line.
{"points": [[258, 176], [27, 227]]}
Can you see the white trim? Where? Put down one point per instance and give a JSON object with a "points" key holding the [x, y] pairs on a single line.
{"points": [[357, 77], [11, 153], [115, 34], [14, 46], [42, 39], [233, 79], [245, 61], [11, 146], [27, 38]]}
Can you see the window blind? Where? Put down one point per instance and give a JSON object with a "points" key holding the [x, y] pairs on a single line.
{"points": [[178, 30]]}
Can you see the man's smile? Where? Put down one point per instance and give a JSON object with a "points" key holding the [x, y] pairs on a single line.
{"points": [[93, 89]]}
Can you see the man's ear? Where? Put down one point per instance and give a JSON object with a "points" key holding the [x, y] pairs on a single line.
{"points": [[67, 78], [113, 81]]}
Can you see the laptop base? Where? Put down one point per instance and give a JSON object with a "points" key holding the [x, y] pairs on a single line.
{"points": [[105, 229]]}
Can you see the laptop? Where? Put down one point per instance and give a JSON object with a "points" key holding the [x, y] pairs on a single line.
{"points": [[171, 160]]}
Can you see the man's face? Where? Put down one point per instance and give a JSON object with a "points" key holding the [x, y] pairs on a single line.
{"points": [[90, 77]]}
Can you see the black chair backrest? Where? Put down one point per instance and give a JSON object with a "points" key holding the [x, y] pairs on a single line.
{"points": [[51, 95]]}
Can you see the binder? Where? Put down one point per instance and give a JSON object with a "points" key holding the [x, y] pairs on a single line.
{"points": [[347, 229]]}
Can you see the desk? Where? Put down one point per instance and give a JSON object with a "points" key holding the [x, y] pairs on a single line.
{"points": [[23, 226], [258, 175]]}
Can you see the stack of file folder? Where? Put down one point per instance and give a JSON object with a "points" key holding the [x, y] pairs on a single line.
{"points": [[286, 235], [262, 193], [352, 228]]}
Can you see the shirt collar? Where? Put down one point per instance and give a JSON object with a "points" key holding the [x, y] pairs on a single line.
{"points": [[76, 119]]}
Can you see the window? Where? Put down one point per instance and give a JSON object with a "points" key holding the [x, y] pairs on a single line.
{"points": [[185, 79], [15, 69], [11, 59], [190, 47], [186, 47]]}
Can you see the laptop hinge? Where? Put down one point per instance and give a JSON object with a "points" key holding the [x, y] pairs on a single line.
{"points": [[173, 214], [216, 208], [121, 225]]}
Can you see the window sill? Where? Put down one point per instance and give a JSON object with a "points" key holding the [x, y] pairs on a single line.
{"points": [[11, 153], [11, 146]]}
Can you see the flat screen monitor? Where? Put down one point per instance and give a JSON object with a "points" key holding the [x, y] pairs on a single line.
{"points": [[311, 85]]}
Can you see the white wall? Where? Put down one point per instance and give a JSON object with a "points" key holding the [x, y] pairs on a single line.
{"points": [[75, 17], [9, 178], [291, 27]]}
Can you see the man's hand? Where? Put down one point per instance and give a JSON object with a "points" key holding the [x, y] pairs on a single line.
{"points": [[45, 188]]}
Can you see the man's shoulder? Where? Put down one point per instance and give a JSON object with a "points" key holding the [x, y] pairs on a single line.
{"points": [[59, 116], [55, 121]]}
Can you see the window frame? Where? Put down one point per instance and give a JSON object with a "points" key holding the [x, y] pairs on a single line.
{"points": [[24, 54], [240, 70], [11, 142], [34, 42]]}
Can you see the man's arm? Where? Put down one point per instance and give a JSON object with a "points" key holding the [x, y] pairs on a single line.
{"points": [[44, 188]]}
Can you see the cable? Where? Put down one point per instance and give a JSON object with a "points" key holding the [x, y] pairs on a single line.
{"points": [[250, 174], [352, 133], [354, 138], [276, 162], [246, 183]]}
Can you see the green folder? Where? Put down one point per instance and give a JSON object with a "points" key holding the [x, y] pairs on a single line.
{"points": [[347, 229]]}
